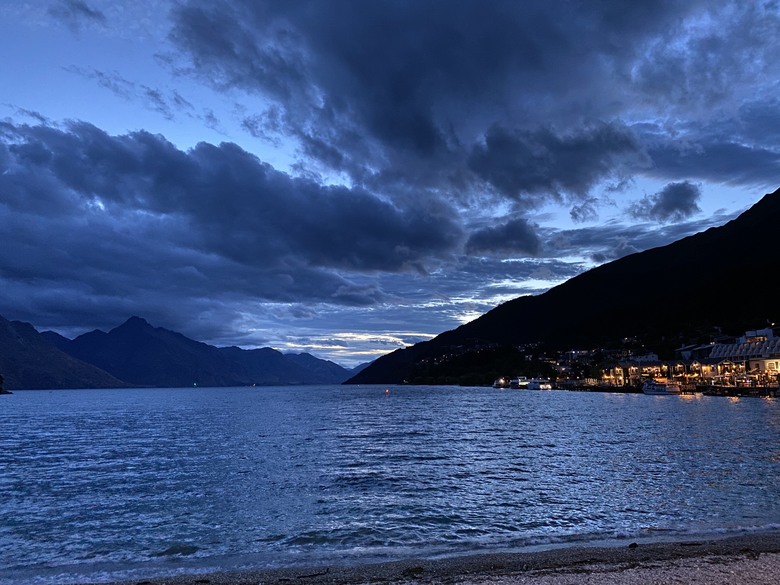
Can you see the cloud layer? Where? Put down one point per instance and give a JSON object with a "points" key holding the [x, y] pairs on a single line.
{"points": [[537, 101], [434, 144]]}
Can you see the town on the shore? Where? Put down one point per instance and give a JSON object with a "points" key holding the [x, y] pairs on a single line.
{"points": [[748, 365]]}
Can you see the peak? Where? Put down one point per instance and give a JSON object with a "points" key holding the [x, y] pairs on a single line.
{"points": [[135, 323]]}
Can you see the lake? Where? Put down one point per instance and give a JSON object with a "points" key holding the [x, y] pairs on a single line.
{"points": [[106, 484]]}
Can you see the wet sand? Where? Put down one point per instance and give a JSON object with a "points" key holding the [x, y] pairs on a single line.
{"points": [[750, 559]]}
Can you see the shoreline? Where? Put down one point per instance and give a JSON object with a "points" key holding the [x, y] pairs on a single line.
{"points": [[749, 558]]}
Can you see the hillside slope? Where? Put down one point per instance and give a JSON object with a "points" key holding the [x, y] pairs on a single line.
{"points": [[29, 361], [718, 278]]}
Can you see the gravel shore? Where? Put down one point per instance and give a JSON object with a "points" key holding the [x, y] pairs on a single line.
{"points": [[750, 559]]}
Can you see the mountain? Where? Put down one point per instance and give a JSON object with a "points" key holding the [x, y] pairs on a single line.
{"points": [[144, 355], [324, 368], [719, 279], [28, 360], [359, 368]]}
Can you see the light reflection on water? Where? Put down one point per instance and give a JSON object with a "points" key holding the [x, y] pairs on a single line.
{"points": [[122, 482]]}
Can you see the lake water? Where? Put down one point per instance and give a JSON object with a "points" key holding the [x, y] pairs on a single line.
{"points": [[106, 484]]}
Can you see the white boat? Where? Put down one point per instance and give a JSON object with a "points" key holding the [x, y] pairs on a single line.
{"points": [[539, 384], [519, 383], [656, 387]]}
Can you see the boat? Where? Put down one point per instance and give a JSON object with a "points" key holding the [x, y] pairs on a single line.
{"points": [[658, 388], [501, 383], [539, 384], [519, 383]]}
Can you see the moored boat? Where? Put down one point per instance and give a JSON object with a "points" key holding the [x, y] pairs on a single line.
{"points": [[519, 383], [658, 388], [539, 384]]}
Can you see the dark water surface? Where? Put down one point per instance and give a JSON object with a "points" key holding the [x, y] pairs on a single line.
{"points": [[106, 484]]}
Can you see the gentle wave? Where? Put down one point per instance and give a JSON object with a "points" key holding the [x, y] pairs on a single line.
{"points": [[135, 483]]}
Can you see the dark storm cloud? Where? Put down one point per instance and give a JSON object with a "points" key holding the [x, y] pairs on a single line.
{"points": [[524, 163], [75, 13], [435, 117], [141, 224], [452, 97], [674, 203], [515, 237], [233, 203], [375, 87]]}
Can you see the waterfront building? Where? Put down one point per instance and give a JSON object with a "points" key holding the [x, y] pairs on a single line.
{"points": [[751, 361]]}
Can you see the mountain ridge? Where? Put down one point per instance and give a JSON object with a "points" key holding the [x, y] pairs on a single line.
{"points": [[136, 353], [28, 360], [713, 279], [142, 354]]}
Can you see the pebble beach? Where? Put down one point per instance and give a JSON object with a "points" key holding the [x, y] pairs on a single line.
{"points": [[748, 559]]}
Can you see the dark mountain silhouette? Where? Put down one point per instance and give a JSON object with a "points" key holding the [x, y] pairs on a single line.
{"points": [[720, 279], [359, 368], [29, 361], [324, 368], [144, 355]]}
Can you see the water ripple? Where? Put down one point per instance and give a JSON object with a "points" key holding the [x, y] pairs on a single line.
{"points": [[133, 482]]}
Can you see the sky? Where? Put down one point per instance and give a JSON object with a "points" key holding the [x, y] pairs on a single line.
{"points": [[345, 177]]}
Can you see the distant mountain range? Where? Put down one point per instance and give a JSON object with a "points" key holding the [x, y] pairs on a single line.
{"points": [[722, 279], [138, 354], [28, 360]]}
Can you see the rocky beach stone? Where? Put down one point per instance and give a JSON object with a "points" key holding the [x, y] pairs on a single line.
{"points": [[748, 559]]}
